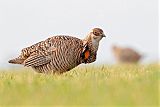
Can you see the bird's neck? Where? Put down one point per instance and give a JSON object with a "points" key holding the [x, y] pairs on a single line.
{"points": [[92, 41]]}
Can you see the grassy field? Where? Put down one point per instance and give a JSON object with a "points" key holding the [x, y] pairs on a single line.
{"points": [[116, 85]]}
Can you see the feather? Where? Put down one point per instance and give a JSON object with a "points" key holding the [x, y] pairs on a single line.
{"points": [[36, 60]]}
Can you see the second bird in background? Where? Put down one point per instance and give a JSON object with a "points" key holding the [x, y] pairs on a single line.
{"points": [[125, 54]]}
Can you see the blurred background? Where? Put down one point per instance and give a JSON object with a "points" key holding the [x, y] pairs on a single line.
{"points": [[128, 23]]}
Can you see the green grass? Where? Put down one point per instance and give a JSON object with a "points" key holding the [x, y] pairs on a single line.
{"points": [[117, 85]]}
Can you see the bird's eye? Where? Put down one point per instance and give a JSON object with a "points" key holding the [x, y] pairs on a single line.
{"points": [[95, 33]]}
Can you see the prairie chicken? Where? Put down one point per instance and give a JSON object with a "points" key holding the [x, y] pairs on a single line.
{"points": [[126, 55], [60, 53]]}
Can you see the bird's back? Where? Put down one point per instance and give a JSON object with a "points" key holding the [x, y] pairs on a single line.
{"points": [[130, 55]]}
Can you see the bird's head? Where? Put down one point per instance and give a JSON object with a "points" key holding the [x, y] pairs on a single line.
{"points": [[96, 34]]}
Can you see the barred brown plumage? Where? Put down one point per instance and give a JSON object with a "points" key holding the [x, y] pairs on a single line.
{"points": [[61, 53]]}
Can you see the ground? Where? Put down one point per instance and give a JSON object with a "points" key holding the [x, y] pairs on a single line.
{"points": [[103, 85]]}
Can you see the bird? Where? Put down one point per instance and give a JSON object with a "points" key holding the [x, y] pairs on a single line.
{"points": [[60, 53], [126, 55]]}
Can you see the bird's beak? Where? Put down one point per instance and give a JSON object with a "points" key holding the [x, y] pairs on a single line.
{"points": [[103, 35]]}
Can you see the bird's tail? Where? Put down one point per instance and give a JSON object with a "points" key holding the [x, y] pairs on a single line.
{"points": [[16, 61]]}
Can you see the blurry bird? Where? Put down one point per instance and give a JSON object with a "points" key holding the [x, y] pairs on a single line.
{"points": [[60, 53], [126, 55]]}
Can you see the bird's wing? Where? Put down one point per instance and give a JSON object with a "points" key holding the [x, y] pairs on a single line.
{"points": [[37, 60]]}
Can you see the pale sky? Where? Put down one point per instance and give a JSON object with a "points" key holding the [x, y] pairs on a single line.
{"points": [[132, 23]]}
